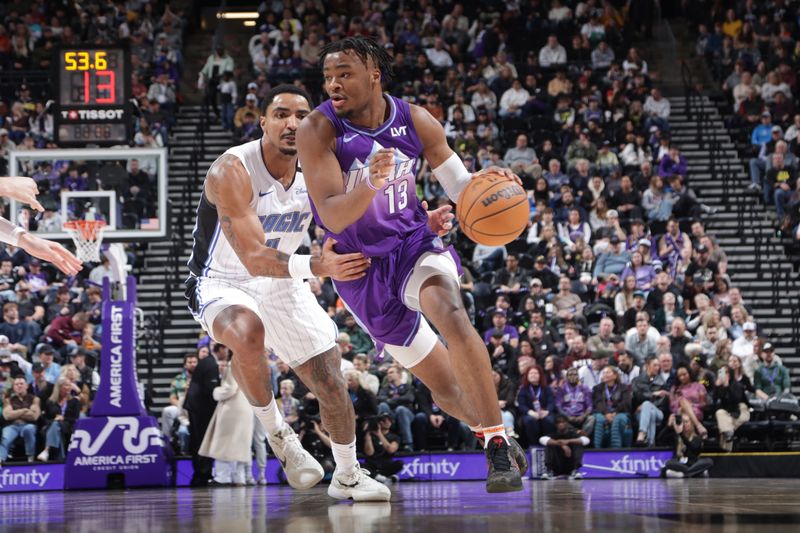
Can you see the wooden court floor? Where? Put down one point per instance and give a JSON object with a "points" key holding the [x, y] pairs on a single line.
{"points": [[729, 505]]}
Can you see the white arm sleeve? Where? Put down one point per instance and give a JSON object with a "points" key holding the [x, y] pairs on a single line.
{"points": [[544, 440], [9, 232], [453, 176]]}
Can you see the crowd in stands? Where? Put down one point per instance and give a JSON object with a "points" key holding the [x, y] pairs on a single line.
{"points": [[51, 325], [30, 34], [615, 309], [49, 350], [753, 50]]}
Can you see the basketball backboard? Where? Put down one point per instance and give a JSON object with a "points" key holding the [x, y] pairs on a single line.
{"points": [[125, 187]]}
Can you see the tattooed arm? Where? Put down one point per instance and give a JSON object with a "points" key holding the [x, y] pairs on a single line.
{"points": [[228, 187]]}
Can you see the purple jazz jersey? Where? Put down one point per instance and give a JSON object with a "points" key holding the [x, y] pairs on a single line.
{"points": [[394, 229]]}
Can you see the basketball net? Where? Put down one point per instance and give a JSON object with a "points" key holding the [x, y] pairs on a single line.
{"points": [[87, 236]]}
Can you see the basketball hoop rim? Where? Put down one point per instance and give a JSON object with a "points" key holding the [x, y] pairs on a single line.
{"points": [[88, 229]]}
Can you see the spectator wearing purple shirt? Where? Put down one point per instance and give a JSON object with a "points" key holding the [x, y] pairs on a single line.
{"points": [[644, 273], [500, 322], [672, 164], [74, 181], [574, 401]]}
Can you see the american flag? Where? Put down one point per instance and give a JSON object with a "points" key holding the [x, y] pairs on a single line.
{"points": [[149, 223]]}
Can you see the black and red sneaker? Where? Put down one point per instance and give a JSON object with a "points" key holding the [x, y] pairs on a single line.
{"points": [[504, 473], [517, 452]]}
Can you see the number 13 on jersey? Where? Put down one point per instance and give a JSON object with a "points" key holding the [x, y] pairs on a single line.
{"points": [[397, 193]]}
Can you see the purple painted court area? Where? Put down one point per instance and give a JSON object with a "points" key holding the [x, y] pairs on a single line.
{"points": [[707, 505]]}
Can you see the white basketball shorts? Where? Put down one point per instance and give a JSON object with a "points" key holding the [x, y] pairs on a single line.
{"points": [[428, 265], [296, 327]]}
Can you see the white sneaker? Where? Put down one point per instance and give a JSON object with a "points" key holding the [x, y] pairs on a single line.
{"points": [[302, 470], [262, 480], [358, 486], [44, 456], [548, 475]]}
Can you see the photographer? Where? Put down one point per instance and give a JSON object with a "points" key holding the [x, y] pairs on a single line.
{"points": [[687, 461], [732, 409], [317, 441], [380, 445]]}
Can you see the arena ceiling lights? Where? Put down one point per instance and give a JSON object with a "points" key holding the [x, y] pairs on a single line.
{"points": [[238, 15]]}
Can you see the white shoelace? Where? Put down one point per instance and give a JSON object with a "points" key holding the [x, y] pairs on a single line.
{"points": [[292, 449], [355, 477]]}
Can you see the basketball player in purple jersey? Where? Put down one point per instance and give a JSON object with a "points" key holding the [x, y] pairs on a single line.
{"points": [[247, 288], [359, 152]]}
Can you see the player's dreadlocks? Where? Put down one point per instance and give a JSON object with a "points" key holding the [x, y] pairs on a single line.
{"points": [[364, 48]]}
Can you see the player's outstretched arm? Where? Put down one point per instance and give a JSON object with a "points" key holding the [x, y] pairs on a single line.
{"points": [[315, 148], [22, 190], [52, 252], [228, 187], [40, 248]]}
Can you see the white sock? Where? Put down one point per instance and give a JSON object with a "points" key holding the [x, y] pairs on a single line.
{"points": [[269, 416], [495, 431], [344, 455]]}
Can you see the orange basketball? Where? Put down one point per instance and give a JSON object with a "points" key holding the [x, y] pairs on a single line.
{"points": [[493, 209]]}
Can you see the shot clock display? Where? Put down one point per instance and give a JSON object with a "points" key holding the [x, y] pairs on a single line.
{"points": [[93, 96]]}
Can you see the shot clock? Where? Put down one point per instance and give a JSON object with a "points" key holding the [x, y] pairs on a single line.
{"points": [[94, 89]]}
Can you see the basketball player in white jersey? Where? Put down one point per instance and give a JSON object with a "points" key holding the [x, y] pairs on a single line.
{"points": [[247, 289], [24, 190]]}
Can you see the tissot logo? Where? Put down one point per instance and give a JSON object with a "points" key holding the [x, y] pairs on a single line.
{"points": [[399, 131], [421, 467], [92, 114]]}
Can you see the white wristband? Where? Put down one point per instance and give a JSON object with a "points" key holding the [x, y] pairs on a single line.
{"points": [[300, 266], [10, 232], [453, 176]]}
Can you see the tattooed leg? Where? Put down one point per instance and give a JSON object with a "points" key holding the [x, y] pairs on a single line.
{"points": [[323, 376], [238, 328]]}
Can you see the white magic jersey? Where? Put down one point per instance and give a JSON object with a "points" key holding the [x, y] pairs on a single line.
{"points": [[285, 215]]}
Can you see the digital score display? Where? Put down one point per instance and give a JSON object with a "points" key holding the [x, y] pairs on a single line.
{"points": [[93, 96]]}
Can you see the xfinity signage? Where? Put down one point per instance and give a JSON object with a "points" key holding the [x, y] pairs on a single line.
{"points": [[612, 463], [618, 463], [428, 466], [443, 467], [26, 478]]}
